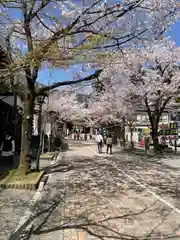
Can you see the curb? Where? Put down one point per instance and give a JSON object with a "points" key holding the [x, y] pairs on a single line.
{"points": [[25, 221], [49, 158], [27, 186]]}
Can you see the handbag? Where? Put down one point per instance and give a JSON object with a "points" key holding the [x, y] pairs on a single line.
{"points": [[102, 144]]}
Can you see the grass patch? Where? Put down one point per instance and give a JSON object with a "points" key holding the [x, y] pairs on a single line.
{"points": [[14, 180]]}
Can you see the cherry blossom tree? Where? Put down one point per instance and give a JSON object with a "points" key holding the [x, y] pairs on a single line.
{"points": [[50, 33], [109, 107], [64, 103], [149, 77]]}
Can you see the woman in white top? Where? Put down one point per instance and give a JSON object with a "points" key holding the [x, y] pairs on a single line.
{"points": [[99, 140]]}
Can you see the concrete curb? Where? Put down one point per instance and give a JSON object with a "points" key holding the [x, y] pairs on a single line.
{"points": [[25, 221], [49, 158], [28, 186]]}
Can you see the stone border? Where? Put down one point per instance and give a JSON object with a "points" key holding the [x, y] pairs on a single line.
{"points": [[50, 157], [29, 186]]}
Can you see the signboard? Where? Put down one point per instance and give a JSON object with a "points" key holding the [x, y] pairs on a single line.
{"points": [[168, 132], [171, 130], [177, 100], [164, 126], [173, 125], [146, 132]]}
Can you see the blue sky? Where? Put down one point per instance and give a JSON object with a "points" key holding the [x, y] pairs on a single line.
{"points": [[48, 75], [62, 75], [174, 33]]}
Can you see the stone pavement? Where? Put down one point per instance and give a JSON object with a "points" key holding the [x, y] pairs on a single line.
{"points": [[13, 204], [55, 189], [173, 161], [99, 196]]}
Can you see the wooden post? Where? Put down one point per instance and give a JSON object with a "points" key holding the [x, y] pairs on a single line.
{"points": [[175, 146], [146, 144]]}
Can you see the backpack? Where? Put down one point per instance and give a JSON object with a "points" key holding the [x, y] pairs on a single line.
{"points": [[109, 141]]}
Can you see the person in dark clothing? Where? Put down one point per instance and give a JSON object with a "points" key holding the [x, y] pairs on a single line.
{"points": [[7, 150], [58, 142], [109, 143], [78, 135], [163, 144]]}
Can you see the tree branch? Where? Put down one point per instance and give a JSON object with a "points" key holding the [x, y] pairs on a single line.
{"points": [[149, 111], [161, 110], [45, 25], [64, 83], [42, 6]]}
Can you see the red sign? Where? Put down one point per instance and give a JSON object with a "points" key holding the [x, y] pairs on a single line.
{"points": [[164, 126]]}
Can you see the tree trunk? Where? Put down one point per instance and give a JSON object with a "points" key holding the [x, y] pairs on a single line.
{"points": [[131, 138], [155, 136], [27, 130]]}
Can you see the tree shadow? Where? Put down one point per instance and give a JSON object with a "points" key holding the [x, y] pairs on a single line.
{"points": [[159, 177], [4, 171], [5, 168], [13, 204], [95, 197]]}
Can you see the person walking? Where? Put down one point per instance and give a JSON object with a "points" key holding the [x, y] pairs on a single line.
{"points": [[99, 140], [7, 150], [163, 144], [109, 143]]}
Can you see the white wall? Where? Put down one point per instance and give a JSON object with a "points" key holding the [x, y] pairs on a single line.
{"points": [[35, 125], [10, 100], [142, 122]]}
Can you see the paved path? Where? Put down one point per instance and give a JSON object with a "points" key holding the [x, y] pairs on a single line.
{"points": [[13, 204], [117, 195], [173, 161]]}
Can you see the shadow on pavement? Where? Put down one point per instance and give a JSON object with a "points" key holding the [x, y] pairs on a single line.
{"points": [[98, 199], [5, 167]]}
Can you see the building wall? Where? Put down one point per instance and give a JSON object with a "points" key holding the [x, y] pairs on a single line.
{"points": [[10, 100], [116, 131], [8, 125], [142, 123]]}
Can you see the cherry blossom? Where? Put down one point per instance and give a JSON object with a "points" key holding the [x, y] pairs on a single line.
{"points": [[64, 103], [96, 25], [109, 108], [148, 77]]}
